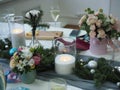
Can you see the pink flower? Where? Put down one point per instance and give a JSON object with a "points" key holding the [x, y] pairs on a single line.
{"points": [[117, 25], [92, 27], [37, 59], [92, 34]]}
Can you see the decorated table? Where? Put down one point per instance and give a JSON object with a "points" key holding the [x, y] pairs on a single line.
{"points": [[74, 83], [82, 62]]}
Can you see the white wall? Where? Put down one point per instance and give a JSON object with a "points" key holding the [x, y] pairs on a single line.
{"points": [[114, 8], [69, 8], [20, 6]]}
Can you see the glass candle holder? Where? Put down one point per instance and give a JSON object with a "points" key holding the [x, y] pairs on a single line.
{"points": [[57, 84], [65, 45], [65, 50], [17, 31]]}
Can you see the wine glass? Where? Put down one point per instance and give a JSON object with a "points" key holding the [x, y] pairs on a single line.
{"points": [[55, 13]]}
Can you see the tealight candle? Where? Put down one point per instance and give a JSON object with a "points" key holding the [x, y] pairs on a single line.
{"points": [[18, 38], [64, 64]]}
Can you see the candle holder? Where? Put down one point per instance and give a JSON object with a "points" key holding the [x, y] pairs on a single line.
{"points": [[57, 84], [17, 31], [65, 45], [65, 50]]}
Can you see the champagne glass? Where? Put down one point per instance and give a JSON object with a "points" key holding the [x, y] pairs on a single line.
{"points": [[55, 13]]}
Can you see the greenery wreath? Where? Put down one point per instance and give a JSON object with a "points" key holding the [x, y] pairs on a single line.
{"points": [[100, 71]]}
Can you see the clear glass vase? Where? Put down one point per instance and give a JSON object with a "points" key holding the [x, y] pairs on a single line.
{"points": [[34, 42]]}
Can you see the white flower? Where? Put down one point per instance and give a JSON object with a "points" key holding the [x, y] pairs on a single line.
{"points": [[113, 21], [26, 53], [20, 67], [31, 62], [91, 19], [92, 27], [33, 12]]}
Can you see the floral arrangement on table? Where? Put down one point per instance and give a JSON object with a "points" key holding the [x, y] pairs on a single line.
{"points": [[99, 70], [25, 59], [33, 18], [98, 24]]}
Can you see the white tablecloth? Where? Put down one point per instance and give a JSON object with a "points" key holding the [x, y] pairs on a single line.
{"points": [[37, 85], [43, 85]]}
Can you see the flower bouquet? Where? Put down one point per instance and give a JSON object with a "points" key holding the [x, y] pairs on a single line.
{"points": [[100, 28], [25, 59], [24, 62], [33, 18]]}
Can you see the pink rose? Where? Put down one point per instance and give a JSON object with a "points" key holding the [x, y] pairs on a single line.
{"points": [[117, 25], [98, 23], [37, 59], [92, 27], [92, 34]]}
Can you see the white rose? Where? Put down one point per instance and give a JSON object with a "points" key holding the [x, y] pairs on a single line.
{"points": [[92, 27], [33, 12], [98, 23]]}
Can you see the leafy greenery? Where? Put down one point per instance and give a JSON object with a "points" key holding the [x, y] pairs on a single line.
{"points": [[5, 45], [104, 72], [47, 58]]}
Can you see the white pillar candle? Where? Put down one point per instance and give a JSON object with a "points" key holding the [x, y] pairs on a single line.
{"points": [[18, 38], [64, 64]]}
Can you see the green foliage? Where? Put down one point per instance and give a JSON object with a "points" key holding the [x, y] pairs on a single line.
{"points": [[47, 58], [5, 45], [104, 72]]}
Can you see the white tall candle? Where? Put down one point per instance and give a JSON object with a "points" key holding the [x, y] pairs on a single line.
{"points": [[18, 38], [64, 64]]}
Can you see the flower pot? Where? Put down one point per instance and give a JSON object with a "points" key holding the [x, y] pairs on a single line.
{"points": [[98, 47], [28, 77]]}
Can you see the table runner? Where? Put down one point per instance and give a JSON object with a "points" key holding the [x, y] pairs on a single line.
{"points": [[71, 79], [79, 82]]}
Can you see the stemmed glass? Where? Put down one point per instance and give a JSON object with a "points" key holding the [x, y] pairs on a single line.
{"points": [[55, 13]]}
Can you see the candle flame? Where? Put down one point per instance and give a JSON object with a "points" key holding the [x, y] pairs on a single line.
{"points": [[65, 59], [17, 31]]}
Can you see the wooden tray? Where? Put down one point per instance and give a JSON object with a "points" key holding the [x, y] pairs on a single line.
{"points": [[45, 35]]}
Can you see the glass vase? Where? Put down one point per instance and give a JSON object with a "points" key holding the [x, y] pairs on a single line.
{"points": [[28, 77], [34, 42], [98, 47], [17, 31]]}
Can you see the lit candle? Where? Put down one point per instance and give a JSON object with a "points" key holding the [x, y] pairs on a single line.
{"points": [[64, 64], [18, 38]]}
